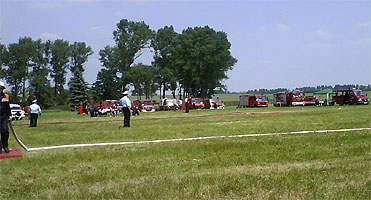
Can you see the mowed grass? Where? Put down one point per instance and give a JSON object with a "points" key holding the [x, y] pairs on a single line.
{"points": [[332, 165]]}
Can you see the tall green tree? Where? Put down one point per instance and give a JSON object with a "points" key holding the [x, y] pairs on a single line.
{"points": [[203, 56], [60, 54], [78, 87], [40, 87], [164, 62], [18, 61], [130, 38], [107, 85], [143, 78]]}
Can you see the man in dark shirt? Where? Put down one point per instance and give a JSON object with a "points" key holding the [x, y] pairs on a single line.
{"points": [[5, 114]]}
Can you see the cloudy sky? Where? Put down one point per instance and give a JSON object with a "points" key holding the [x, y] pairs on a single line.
{"points": [[277, 43]]}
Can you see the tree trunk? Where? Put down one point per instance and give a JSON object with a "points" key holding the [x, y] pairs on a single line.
{"points": [[24, 89], [164, 90]]}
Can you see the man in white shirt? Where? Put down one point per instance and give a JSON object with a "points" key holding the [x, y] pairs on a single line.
{"points": [[34, 111], [126, 108]]}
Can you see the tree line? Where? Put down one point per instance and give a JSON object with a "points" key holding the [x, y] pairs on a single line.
{"points": [[191, 63], [37, 70]]}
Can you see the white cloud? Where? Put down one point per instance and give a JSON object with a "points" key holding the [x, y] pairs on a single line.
{"points": [[281, 28], [96, 28], [100, 30], [360, 41], [120, 14], [364, 24], [322, 34], [319, 45], [45, 4], [48, 36]]}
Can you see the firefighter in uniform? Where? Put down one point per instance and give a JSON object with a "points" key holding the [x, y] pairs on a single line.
{"points": [[5, 114], [126, 108], [35, 111]]}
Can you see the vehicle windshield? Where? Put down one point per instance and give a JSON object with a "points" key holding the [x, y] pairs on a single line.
{"points": [[359, 93], [215, 101], [106, 103], [171, 101], [146, 103], [298, 94], [196, 100], [261, 98], [15, 108]]}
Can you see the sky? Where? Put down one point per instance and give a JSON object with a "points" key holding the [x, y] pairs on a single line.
{"points": [[278, 44]]}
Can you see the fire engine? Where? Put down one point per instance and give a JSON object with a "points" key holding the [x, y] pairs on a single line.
{"points": [[168, 104], [253, 100], [350, 96], [289, 98], [313, 101], [214, 104], [144, 105], [195, 103]]}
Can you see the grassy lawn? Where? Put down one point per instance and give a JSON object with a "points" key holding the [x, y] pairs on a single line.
{"points": [[332, 165]]}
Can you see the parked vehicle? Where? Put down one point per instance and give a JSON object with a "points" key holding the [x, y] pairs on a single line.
{"points": [[313, 101], [108, 106], [17, 112], [168, 104], [214, 104], [253, 100], [349, 96], [144, 105], [195, 103], [289, 98]]}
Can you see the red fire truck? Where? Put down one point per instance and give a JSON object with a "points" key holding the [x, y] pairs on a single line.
{"points": [[195, 103], [253, 100], [313, 101], [289, 98], [350, 96], [146, 105], [214, 104], [168, 104]]}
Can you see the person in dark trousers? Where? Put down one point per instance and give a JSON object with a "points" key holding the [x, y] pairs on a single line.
{"points": [[5, 115], [35, 111], [126, 108], [186, 105]]}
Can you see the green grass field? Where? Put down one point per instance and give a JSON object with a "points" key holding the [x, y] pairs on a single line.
{"points": [[333, 165]]}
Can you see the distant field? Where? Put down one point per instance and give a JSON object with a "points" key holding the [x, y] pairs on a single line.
{"points": [[333, 165]]}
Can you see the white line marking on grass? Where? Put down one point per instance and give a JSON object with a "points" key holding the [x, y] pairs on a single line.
{"points": [[194, 138]]}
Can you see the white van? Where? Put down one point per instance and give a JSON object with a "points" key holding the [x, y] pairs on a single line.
{"points": [[17, 112]]}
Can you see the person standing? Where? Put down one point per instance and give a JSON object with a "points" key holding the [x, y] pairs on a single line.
{"points": [[5, 115], [126, 108], [186, 105], [35, 111]]}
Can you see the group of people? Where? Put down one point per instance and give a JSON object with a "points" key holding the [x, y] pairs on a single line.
{"points": [[98, 111], [6, 115], [35, 111]]}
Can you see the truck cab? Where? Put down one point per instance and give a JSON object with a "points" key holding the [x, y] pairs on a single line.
{"points": [[257, 100], [195, 103], [350, 96], [295, 98], [214, 104], [313, 101], [145, 105], [168, 104]]}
